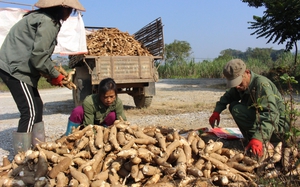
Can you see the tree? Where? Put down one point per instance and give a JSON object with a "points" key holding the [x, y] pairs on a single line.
{"points": [[265, 55], [262, 54], [232, 53], [177, 52], [280, 22]]}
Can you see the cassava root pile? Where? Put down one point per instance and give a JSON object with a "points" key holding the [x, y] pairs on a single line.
{"points": [[112, 42], [127, 155]]}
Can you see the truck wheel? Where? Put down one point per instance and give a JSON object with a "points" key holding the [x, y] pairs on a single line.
{"points": [[76, 92], [76, 100], [142, 101], [82, 80]]}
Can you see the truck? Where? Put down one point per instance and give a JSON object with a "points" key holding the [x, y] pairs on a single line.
{"points": [[134, 75]]}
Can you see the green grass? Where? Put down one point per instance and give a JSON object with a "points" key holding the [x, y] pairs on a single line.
{"points": [[42, 84], [214, 69]]}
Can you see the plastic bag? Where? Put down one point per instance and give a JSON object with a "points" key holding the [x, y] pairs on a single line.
{"points": [[227, 133]]}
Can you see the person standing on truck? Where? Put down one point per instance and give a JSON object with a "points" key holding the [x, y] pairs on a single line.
{"points": [[102, 108], [259, 122], [25, 55]]}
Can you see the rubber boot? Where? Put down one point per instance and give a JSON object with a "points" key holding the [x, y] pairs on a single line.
{"points": [[21, 141], [38, 133], [69, 127]]}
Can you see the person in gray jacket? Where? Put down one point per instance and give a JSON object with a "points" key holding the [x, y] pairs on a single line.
{"points": [[26, 54], [256, 106]]}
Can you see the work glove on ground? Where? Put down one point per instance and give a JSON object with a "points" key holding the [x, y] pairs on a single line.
{"points": [[213, 118], [256, 146], [57, 81]]}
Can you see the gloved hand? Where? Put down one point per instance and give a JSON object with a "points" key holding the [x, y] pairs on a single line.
{"points": [[256, 146], [213, 118], [57, 81]]}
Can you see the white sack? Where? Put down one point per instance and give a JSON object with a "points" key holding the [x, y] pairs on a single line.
{"points": [[8, 17]]}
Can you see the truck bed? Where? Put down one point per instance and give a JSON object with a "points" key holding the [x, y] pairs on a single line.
{"points": [[123, 69]]}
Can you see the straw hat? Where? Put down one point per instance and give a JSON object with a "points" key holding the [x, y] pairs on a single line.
{"points": [[51, 3]]}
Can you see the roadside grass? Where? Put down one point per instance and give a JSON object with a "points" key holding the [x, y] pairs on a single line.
{"points": [[42, 84], [3, 87]]}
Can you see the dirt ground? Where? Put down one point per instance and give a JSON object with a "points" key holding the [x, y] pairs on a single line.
{"points": [[178, 104]]}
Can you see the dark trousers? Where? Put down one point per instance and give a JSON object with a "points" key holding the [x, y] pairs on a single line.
{"points": [[245, 119], [27, 99]]}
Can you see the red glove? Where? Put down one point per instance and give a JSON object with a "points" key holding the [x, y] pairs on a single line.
{"points": [[213, 118], [57, 81], [256, 147]]}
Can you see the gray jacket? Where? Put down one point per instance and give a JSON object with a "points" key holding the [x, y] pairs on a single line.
{"points": [[27, 49]]}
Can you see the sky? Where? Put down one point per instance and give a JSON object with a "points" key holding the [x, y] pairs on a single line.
{"points": [[209, 26]]}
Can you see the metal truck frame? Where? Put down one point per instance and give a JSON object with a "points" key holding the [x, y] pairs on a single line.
{"points": [[134, 75]]}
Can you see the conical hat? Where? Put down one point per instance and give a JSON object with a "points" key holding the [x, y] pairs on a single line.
{"points": [[51, 3]]}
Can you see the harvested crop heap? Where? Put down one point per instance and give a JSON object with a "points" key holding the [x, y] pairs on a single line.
{"points": [[112, 42], [126, 155]]}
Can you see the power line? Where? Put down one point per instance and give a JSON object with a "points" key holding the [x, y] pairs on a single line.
{"points": [[22, 4], [203, 58]]}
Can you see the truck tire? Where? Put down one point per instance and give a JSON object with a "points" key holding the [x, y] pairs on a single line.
{"points": [[142, 101], [76, 99], [82, 80]]}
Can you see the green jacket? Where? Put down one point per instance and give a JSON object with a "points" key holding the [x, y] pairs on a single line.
{"points": [[95, 111], [27, 49], [262, 93]]}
